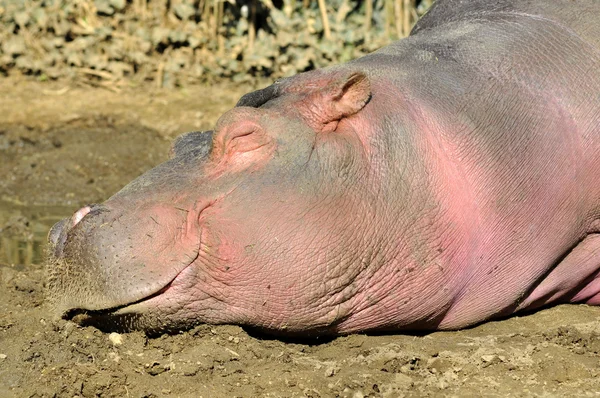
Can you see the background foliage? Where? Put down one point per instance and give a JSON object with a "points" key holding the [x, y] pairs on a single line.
{"points": [[176, 42]]}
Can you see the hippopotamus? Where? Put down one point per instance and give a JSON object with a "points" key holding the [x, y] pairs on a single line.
{"points": [[450, 178]]}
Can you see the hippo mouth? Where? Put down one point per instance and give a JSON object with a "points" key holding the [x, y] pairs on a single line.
{"points": [[125, 317], [119, 318], [81, 315], [75, 313]]}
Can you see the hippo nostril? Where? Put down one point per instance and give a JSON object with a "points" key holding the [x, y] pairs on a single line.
{"points": [[79, 214], [59, 232], [86, 211]]}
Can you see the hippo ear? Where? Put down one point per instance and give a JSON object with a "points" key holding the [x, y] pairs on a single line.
{"points": [[349, 94], [343, 97]]}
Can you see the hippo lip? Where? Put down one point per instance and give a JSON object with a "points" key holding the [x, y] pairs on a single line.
{"points": [[75, 313], [82, 315]]}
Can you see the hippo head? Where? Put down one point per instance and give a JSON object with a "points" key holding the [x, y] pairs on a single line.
{"points": [[245, 224]]}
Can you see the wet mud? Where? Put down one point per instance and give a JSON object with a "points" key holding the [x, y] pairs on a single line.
{"points": [[62, 147]]}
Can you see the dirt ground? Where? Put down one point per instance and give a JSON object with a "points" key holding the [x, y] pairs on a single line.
{"points": [[62, 147]]}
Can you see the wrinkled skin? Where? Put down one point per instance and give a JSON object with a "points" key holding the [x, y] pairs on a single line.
{"points": [[442, 181]]}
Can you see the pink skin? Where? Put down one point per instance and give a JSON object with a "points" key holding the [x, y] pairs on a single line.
{"points": [[404, 191], [467, 227], [457, 260], [79, 214], [507, 243]]}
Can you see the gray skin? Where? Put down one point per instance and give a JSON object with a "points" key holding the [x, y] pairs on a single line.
{"points": [[444, 180]]}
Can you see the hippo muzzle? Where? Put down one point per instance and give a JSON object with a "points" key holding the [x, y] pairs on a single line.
{"points": [[107, 257], [101, 263]]}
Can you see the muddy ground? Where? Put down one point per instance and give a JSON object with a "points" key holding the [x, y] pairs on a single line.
{"points": [[62, 147]]}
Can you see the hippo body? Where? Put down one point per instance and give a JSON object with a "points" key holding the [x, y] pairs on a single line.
{"points": [[447, 179]]}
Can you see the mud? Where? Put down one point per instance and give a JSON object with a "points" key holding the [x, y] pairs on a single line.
{"points": [[63, 147]]}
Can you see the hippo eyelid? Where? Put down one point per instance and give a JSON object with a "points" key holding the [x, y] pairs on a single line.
{"points": [[246, 140]]}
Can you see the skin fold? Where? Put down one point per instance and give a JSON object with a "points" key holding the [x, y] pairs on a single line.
{"points": [[447, 179]]}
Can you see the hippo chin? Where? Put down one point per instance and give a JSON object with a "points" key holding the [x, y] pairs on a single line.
{"points": [[448, 179]]}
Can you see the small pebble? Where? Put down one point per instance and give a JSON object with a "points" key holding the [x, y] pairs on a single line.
{"points": [[488, 358], [116, 339], [330, 371]]}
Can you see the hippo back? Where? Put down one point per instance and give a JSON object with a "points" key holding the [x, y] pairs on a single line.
{"points": [[580, 16]]}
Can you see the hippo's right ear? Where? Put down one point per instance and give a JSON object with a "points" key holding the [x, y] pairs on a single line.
{"points": [[342, 97]]}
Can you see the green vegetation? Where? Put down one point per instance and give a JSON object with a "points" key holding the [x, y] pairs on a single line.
{"points": [[176, 42]]}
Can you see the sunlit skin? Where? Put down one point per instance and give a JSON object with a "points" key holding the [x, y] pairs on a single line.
{"points": [[445, 180]]}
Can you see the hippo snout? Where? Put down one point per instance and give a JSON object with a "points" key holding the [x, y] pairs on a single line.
{"points": [[98, 259]]}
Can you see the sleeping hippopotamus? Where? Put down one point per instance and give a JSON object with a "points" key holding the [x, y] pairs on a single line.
{"points": [[450, 178]]}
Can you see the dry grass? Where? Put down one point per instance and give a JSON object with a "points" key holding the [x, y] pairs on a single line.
{"points": [[175, 42]]}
